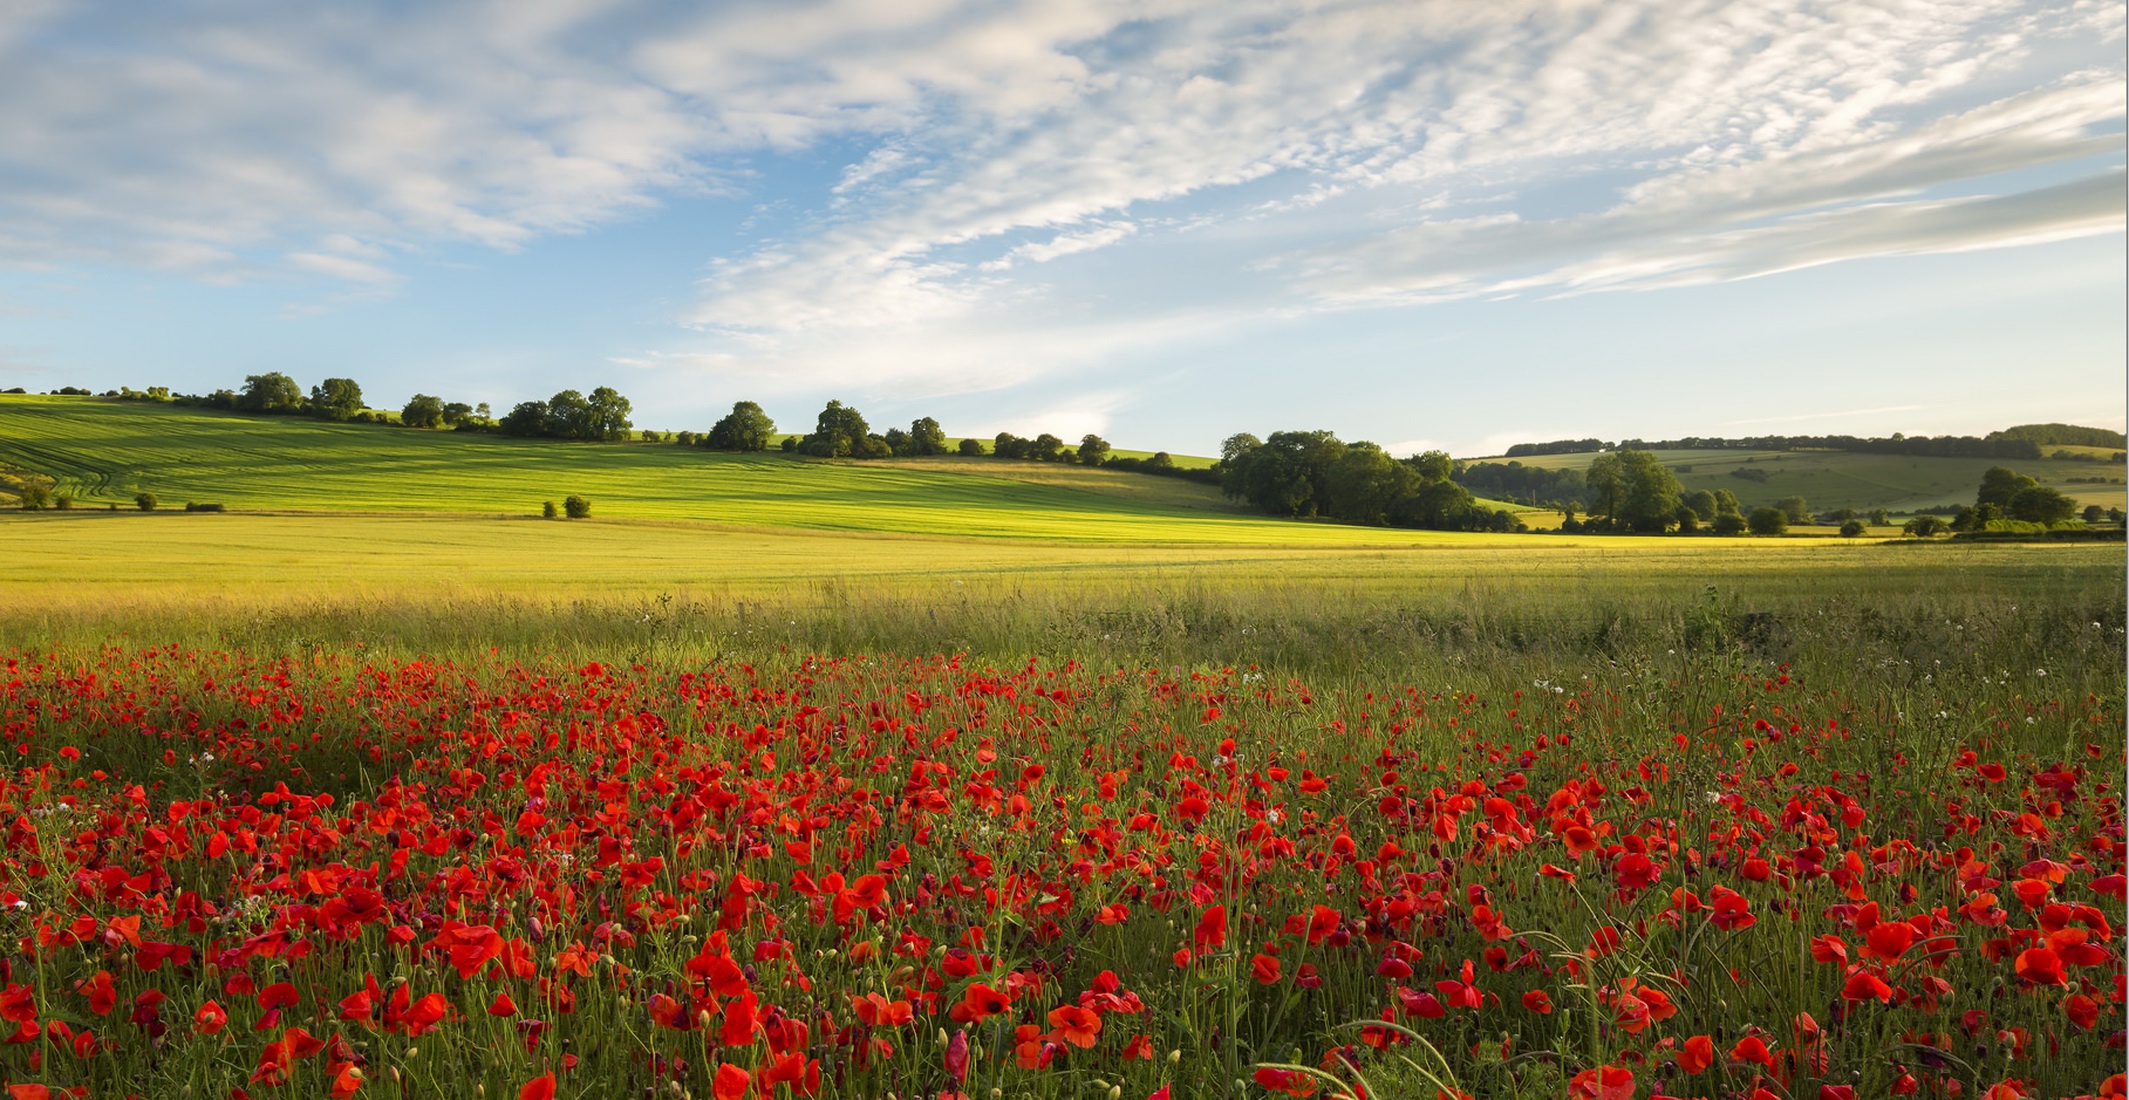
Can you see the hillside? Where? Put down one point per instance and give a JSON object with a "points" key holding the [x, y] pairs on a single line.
{"points": [[1829, 480], [104, 452]]}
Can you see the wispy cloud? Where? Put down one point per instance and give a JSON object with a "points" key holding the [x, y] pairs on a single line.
{"points": [[1038, 186]]}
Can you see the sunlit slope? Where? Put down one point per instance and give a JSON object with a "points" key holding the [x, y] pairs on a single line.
{"points": [[1842, 479], [106, 451]]}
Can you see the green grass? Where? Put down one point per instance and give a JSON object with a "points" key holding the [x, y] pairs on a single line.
{"points": [[105, 452], [1838, 479], [444, 582]]}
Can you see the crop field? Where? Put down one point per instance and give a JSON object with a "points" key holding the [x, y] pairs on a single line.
{"points": [[105, 452], [1028, 791], [1835, 479]]}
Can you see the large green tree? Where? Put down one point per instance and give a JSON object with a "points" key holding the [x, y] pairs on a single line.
{"points": [[423, 411], [1999, 484], [1093, 450], [2040, 504], [336, 399], [1633, 490], [926, 437], [1288, 474], [569, 416], [746, 428], [1365, 483], [272, 392], [606, 415], [838, 432]]}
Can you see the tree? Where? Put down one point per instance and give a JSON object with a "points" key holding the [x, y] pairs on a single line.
{"points": [[1728, 524], [926, 437], [1438, 505], [423, 411], [575, 507], [1794, 508], [1852, 529], [1703, 504], [2040, 504], [272, 392], [336, 399], [144, 501], [1365, 483], [1287, 474], [527, 419], [1432, 465], [1879, 518], [1008, 445], [1093, 450], [568, 416], [1768, 521], [745, 429], [971, 447], [1999, 484], [898, 443], [1044, 447], [1633, 489], [1924, 526], [839, 432], [34, 496], [2094, 513], [606, 415], [456, 413], [548, 510], [1726, 503]]}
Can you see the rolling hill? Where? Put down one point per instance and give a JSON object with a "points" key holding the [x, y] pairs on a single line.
{"points": [[103, 452], [1829, 480]]}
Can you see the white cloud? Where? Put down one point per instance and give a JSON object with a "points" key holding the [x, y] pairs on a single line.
{"points": [[1254, 158]]}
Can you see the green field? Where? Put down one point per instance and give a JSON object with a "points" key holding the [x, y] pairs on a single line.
{"points": [[104, 452], [1838, 479]]}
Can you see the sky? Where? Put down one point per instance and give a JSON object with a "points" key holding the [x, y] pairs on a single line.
{"points": [[1425, 223]]}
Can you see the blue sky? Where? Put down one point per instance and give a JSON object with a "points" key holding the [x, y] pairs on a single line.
{"points": [[1426, 224]]}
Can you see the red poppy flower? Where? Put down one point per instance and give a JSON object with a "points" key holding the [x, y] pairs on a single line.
{"points": [[1696, 1054], [1211, 932], [1602, 1083], [2040, 966], [1752, 1049]]}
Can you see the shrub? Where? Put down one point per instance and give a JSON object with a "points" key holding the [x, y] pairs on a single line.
{"points": [[1924, 526], [1768, 521], [64, 502], [971, 447], [576, 507], [1728, 524], [548, 510], [204, 506], [144, 501], [34, 497], [1852, 529]]}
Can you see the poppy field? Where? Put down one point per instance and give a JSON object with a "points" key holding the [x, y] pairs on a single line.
{"points": [[237, 873]]}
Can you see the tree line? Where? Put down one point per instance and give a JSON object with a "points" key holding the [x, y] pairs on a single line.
{"points": [[1315, 474], [1995, 445]]}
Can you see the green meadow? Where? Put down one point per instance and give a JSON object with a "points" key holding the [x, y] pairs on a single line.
{"points": [[1841, 479], [104, 452], [429, 540]]}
